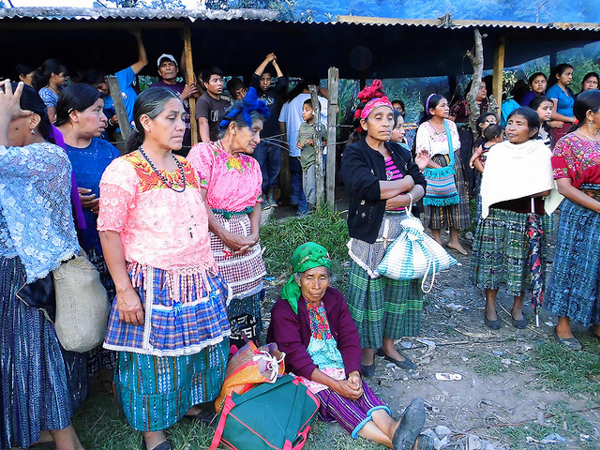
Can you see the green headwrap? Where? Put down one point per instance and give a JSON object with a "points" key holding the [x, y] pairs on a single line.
{"points": [[306, 257]]}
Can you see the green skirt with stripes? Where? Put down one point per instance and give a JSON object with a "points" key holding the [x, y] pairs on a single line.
{"points": [[155, 392], [382, 307]]}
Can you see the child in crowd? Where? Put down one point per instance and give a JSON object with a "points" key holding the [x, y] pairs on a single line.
{"points": [[308, 136], [492, 135], [543, 106]]}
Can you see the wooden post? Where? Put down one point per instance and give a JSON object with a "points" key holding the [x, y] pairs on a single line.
{"points": [[476, 59], [333, 78], [115, 93], [499, 54], [318, 143], [190, 78]]}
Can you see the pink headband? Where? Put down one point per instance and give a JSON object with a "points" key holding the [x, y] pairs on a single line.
{"points": [[374, 104]]}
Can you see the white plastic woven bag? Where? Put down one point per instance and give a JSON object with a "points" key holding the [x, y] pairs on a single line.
{"points": [[414, 255]]}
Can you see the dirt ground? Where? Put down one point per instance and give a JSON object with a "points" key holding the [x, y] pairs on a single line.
{"points": [[455, 340]]}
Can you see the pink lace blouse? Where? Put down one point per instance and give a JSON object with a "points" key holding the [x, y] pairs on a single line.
{"points": [[232, 183], [158, 227]]}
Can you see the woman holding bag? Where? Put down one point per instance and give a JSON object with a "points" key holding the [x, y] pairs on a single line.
{"points": [[382, 181], [168, 322], [36, 235], [446, 200]]}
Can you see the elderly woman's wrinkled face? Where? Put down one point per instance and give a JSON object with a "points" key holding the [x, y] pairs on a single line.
{"points": [[246, 139], [379, 124], [517, 129], [313, 284]]}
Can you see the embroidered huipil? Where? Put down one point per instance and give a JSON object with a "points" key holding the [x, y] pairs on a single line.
{"points": [[34, 180], [436, 143], [578, 159], [167, 248], [233, 185], [322, 348]]}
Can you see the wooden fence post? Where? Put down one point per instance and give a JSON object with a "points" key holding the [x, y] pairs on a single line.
{"points": [[499, 54], [318, 144], [115, 93], [333, 78], [190, 78]]}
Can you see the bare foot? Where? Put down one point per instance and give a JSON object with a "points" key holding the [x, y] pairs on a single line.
{"points": [[456, 246], [45, 437]]}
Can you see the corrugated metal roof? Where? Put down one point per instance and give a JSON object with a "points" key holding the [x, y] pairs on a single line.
{"points": [[67, 13], [448, 22]]}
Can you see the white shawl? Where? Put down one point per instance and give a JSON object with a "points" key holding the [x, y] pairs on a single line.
{"points": [[514, 171]]}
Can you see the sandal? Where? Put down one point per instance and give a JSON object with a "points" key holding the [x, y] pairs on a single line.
{"points": [[406, 364], [571, 343], [165, 445], [410, 426], [204, 415], [492, 324], [520, 324]]}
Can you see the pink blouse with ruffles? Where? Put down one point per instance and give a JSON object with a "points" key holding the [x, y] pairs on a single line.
{"points": [[159, 227], [232, 183]]}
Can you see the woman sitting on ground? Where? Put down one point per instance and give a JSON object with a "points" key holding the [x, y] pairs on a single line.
{"points": [[501, 243], [311, 323]]}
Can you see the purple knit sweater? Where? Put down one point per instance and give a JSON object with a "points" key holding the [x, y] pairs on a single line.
{"points": [[292, 333]]}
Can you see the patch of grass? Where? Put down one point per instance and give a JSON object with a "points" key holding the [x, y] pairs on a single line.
{"points": [[325, 227], [484, 364], [560, 419], [564, 370]]}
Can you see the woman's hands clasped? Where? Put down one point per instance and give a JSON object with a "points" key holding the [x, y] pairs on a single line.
{"points": [[351, 388]]}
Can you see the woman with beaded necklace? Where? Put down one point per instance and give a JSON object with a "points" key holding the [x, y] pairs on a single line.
{"points": [[168, 322], [232, 189]]}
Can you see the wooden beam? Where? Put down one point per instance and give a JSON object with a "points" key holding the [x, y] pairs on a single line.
{"points": [[318, 144], [476, 58], [115, 93], [190, 78], [499, 54], [333, 79]]}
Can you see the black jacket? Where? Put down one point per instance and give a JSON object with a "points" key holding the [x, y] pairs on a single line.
{"points": [[362, 169]]}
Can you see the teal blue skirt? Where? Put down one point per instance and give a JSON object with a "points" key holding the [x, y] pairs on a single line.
{"points": [[154, 392]]}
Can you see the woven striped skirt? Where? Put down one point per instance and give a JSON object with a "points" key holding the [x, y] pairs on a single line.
{"points": [[352, 415], [381, 307], [243, 273], [155, 392], [501, 250], [452, 216], [34, 392], [574, 287]]}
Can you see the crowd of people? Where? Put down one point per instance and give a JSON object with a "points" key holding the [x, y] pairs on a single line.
{"points": [[174, 233]]}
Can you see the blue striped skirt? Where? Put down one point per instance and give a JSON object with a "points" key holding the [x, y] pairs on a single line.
{"points": [[574, 287], [34, 392], [183, 314], [155, 392]]}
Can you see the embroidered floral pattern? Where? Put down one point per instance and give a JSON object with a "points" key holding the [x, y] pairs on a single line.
{"points": [[576, 158], [149, 179]]}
